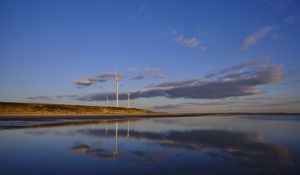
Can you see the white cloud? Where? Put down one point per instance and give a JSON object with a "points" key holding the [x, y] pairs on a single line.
{"points": [[290, 19], [253, 38], [155, 73], [92, 80], [278, 5], [138, 75], [84, 82], [203, 48], [185, 41], [244, 79], [189, 42], [40, 98]]}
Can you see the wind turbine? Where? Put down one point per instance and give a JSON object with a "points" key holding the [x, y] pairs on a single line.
{"points": [[128, 99], [117, 89]]}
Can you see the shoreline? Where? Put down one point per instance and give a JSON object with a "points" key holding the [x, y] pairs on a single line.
{"points": [[118, 116]]}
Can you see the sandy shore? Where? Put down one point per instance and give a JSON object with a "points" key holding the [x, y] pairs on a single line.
{"points": [[73, 116]]}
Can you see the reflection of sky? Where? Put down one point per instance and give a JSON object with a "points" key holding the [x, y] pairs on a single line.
{"points": [[182, 145], [268, 127]]}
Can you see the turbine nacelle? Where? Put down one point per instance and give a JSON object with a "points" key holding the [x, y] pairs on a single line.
{"points": [[117, 78]]}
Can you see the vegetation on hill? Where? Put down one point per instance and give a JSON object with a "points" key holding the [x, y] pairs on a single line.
{"points": [[35, 108]]}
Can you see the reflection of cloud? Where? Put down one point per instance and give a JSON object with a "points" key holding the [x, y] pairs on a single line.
{"points": [[243, 148], [38, 132], [63, 123], [155, 158], [253, 38], [152, 158], [85, 149], [139, 153], [78, 149], [273, 118]]}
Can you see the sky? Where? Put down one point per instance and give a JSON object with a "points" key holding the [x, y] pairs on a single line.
{"points": [[171, 55]]}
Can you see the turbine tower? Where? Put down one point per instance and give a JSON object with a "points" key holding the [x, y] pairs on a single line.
{"points": [[117, 89], [128, 100]]}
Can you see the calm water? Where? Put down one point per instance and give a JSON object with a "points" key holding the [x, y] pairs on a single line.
{"points": [[190, 145]]}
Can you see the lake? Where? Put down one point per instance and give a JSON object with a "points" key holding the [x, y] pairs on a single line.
{"points": [[182, 145]]}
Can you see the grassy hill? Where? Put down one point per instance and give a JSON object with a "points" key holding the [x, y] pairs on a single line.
{"points": [[35, 108]]}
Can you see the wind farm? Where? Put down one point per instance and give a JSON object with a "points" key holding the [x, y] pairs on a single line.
{"points": [[149, 87], [59, 110], [29, 111]]}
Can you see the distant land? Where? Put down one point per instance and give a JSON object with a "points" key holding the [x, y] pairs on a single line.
{"points": [[65, 109], [36, 111]]}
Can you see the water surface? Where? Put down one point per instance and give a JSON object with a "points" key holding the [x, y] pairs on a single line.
{"points": [[187, 145]]}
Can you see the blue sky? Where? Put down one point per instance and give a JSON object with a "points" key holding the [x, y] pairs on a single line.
{"points": [[179, 56]]}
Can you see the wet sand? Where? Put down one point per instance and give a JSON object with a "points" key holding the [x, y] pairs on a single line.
{"points": [[117, 116], [72, 116]]}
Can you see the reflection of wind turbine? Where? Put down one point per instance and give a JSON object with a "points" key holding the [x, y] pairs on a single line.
{"points": [[107, 101], [116, 143], [128, 100], [127, 136], [106, 129], [117, 89]]}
